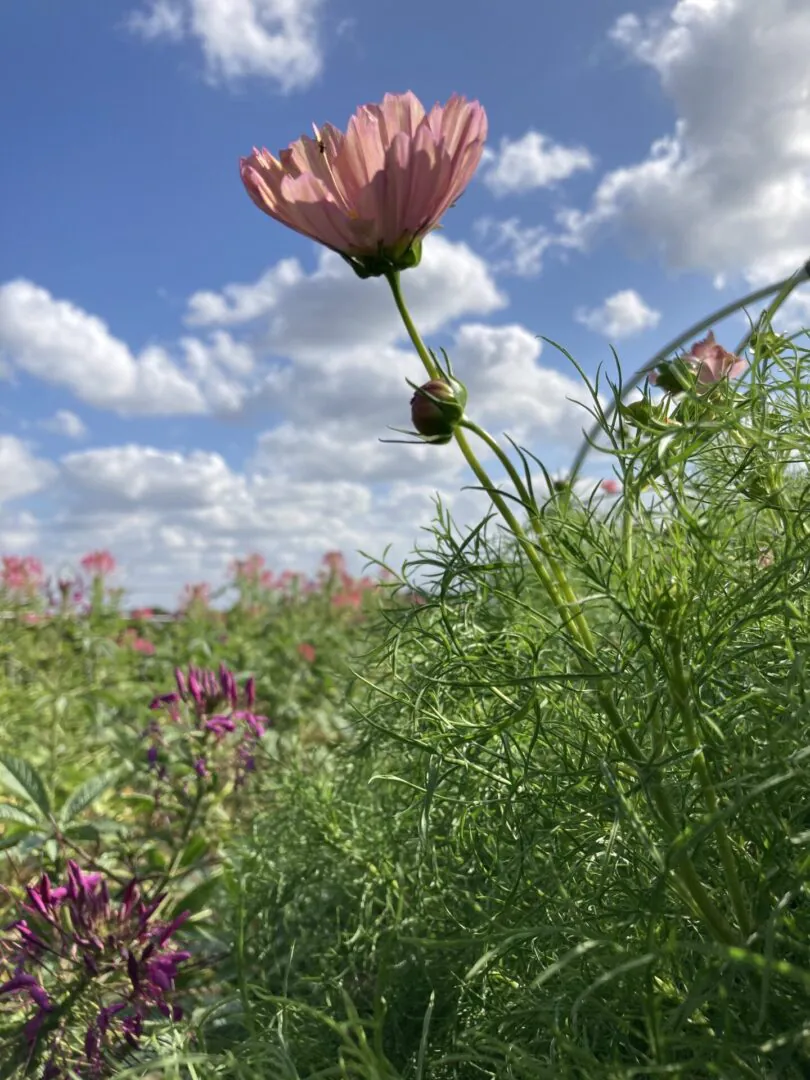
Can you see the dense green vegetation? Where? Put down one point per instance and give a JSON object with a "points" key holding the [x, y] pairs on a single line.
{"points": [[436, 835]]}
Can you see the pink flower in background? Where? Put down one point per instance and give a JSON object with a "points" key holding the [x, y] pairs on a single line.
{"points": [[69, 591], [712, 362], [374, 192], [350, 598], [196, 595], [130, 639], [334, 562], [143, 613], [307, 652], [250, 571], [611, 486], [21, 574], [288, 579], [98, 563]]}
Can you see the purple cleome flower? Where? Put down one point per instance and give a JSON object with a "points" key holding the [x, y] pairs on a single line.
{"points": [[118, 955], [219, 710]]}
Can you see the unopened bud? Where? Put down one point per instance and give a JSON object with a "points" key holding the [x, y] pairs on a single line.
{"points": [[645, 414], [437, 407], [671, 604], [674, 376]]}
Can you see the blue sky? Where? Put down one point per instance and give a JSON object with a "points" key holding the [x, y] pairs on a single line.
{"points": [[184, 380]]}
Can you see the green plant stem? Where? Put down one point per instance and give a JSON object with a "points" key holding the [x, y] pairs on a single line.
{"points": [[784, 291], [569, 608], [513, 523], [684, 868], [52, 1021], [184, 836], [627, 533], [87, 858], [683, 702], [430, 365], [565, 598]]}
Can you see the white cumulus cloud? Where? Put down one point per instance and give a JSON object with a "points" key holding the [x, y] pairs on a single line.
{"points": [[272, 39], [65, 423], [727, 191], [59, 343], [333, 309], [619, 316], [533, 161], [21, 472], [523, 246], [163, 19]]}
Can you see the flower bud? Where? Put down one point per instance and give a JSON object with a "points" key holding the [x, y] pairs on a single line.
{"points": [[670, 607], [646, 414], [180, 679], [674, 376], [437, 407]]}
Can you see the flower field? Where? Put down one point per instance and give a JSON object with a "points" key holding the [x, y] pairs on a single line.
{"points": [[532, 805]]}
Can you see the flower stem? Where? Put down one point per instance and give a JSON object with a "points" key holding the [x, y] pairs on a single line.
{"points": [[569, 605], [683, 702], [392, 277], [561, 594], [168, 876]]}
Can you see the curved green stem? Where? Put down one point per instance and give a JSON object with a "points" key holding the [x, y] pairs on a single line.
{"points": [[683, 702], [166, 879], [573, 606], [767, 315], [689, 880], [562, 595], [512, 522], [430, 365], [783, 289]]}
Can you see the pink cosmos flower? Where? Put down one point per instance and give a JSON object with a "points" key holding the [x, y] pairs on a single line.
{"points": [[709, 361], [712, 362], [611, 486], [373, 193]]}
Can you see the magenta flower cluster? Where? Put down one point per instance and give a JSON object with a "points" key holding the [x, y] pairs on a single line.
{"points": [[114, 960], [219, 709]]}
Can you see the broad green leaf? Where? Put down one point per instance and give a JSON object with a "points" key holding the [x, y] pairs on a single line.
{"points": [[197, 897], [22, 779], [9, 812], [36, 842], [139, 804], [196, 847], [82, 832], [9, 842], [86, 794]]}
